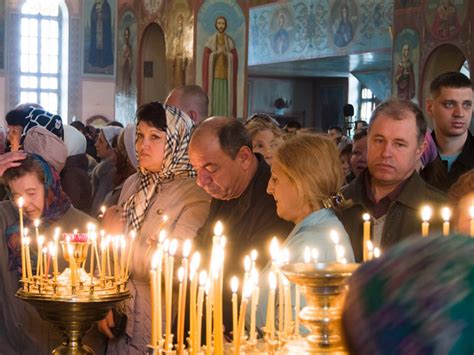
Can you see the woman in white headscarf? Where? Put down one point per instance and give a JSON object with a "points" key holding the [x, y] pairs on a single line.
{"points": [[74, 178], [164, 185]]}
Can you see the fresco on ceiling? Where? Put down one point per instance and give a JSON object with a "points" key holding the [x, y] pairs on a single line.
{"points": [[406, 4], [99, 36], [2, 35], [304, 29], [153, 8], [444, 18], [406, 57], [220, 56], [126, 80], [180, 36]]}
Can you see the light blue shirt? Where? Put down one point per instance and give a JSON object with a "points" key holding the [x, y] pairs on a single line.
{"points": [[314, 232]]}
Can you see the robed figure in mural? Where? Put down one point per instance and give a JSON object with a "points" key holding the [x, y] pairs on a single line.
{"points": [[180, 61], [100, 50], [219, 71], [127, 64], [344, 32], [446, 21], [405, 76]]}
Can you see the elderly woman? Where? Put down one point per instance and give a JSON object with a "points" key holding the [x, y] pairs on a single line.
{"points": [[164, 185], [21, 328], [305, 182]]}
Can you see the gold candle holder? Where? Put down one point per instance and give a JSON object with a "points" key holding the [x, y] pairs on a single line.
{"points": [[324, 287]]}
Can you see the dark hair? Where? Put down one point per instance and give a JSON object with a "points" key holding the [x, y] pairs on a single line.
{"points": [[337, 128], [28, 165], [360, 134], [397, 110], [124, 167], [453, 79], [364, 123], [233, 136], [154, 114], [293, 124], [346, 150], [225, 20], [79, 126], [115, 124]]}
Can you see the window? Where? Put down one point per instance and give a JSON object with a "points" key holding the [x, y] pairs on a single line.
{"points": [[367, 104], [40, 54]]}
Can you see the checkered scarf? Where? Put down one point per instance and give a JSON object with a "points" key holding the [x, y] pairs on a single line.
{"points": [[175, 165]]}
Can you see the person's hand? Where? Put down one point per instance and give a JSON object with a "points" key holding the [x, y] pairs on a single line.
{"points": [[11, 160], [106, 324], [112, 221]]}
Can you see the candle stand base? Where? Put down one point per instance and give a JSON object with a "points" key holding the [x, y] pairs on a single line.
{"points": [[324, 287]]}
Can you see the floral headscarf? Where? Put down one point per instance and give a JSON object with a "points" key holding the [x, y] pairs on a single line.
{"points": [[176, 164], [418, 298], [56, 205]]}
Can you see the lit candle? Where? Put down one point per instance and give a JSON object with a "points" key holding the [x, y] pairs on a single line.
{"points": [[340, 253], [115, 248], [288, 317], [102, 211], [446, 215], [297, 311], [274, 252], [271, 304], [169, 293], [247, 291], [123, 248], [426, 213], [209, 293], [159, 263], [23, 255], [366, 218], [180, 310], [377, 252], [234, 285], [53, 251], [202, 286], [103, 247], [28, 257], [56, 234], [39, 264], [133, 235], [253, 309], [370, 249], [72, 264], [107, 253], [193, 277], [154, 304], [471, 212], [253, 257], [45, 264], [182, 301]]}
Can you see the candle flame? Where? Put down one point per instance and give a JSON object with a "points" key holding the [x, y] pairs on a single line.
{"points": [[186, 248], [181, 274], [21, 202], [377, 252], [27, 241], [165, 218], [173, 247], [103, 209], [471, 211], [272, 280], [234, 284], [25, 231], [334, 237], [247, 263], [315, 254], [247, 289], [218, 229], [166, 245], [133, 234], [202, 278], [52, 249], [195, 261], [36, 223], [366, 217], [162, 236], [446, 214], [426, 213], [253, 255], [307, 255], [370, 245], [274, 249], [123, 244], [45, 250], [40, 240]]}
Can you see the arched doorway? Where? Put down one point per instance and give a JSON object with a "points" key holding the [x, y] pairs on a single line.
{"points": [[152, 56], [445, 58]]}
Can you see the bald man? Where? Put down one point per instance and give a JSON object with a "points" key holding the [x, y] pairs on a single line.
{"points": [[191, 99]]}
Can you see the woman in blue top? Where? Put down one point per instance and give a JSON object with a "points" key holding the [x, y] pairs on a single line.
{"points": [[306, 178]]}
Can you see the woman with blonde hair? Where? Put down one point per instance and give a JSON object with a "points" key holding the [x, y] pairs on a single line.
{"points": [[265, 135], [305, 182]]}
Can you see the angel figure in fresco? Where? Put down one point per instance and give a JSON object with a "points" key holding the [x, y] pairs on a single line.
{"points": [[446, 22], [219, 71], [405, 76]]}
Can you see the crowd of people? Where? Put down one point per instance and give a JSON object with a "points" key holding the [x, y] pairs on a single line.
{"points": [[259, 179]]}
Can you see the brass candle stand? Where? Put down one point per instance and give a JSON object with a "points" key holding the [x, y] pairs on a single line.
{"points": [[75, 299], [324, 287]]}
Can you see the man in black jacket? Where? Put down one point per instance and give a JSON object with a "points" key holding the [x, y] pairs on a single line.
{"points": [[450, 107], [220, 151]]}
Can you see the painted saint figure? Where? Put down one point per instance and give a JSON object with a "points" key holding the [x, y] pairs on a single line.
{"points": [[219, 71], [127, 62], [281, 39], [446, 22], [100, 50], [405, 76], [344, 32], [180, 61]]}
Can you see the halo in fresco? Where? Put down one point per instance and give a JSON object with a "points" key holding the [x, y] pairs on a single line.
{"points": [[344, 17], [406, 57], [444, 18]]}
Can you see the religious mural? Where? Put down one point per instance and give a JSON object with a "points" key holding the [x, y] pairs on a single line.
{"points": [[220, 58], [2, 34], [303, 29], [126, 83], [406, 56], [180, 36], [444, 18], [99, 36]]}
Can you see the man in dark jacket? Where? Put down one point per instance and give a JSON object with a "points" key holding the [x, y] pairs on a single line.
{"points": [[450, 107], [390, 190], [220, 151]]}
